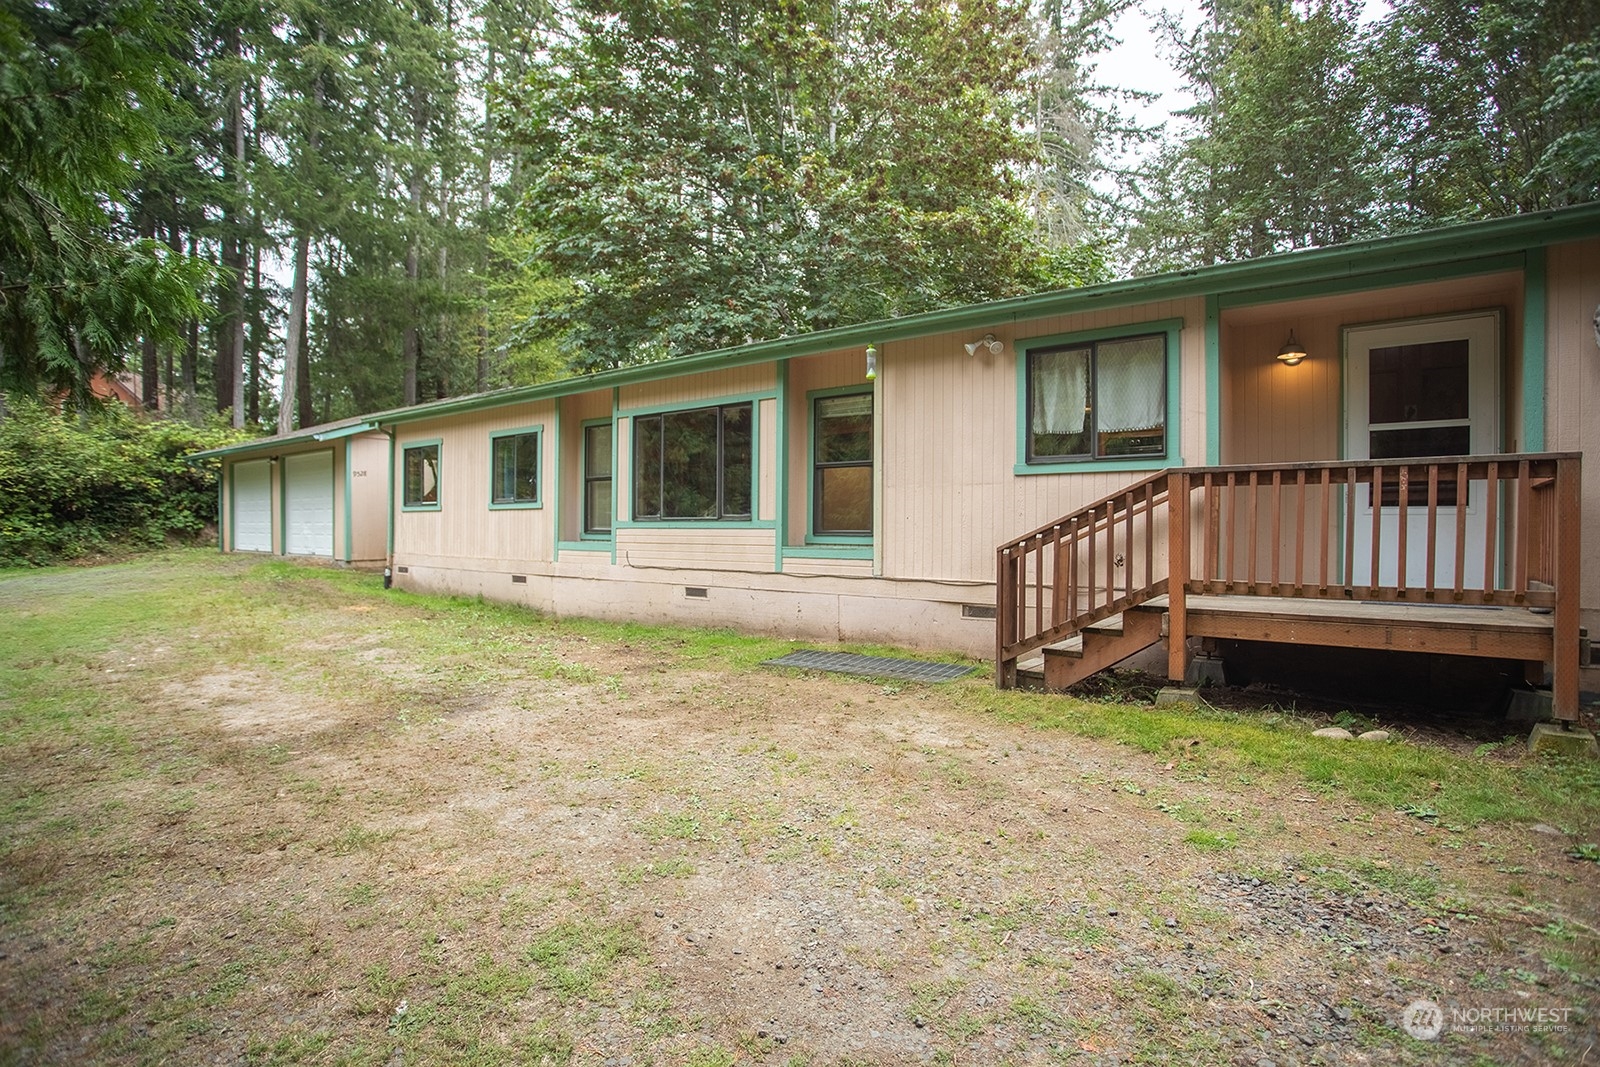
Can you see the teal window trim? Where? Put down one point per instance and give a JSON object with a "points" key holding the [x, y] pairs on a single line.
{"points": [[1534, 353], [1171, 457], [432, 442], [812, 537], [584, 536], [599, 547], [634, 414], [694, 524], [826, 551], [537, 432]]}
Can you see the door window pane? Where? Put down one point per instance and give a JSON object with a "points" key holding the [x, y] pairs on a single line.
{"points": [[1418, 383]]}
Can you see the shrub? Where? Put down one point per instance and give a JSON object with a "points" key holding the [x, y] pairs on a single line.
{"points": [[77, 483]]}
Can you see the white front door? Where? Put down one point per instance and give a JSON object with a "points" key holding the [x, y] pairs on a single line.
{"points": [[308, 504], [252, 506], [1428, 387]]}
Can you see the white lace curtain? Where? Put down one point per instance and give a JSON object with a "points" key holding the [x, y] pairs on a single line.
{"points": [[1129, 393]]}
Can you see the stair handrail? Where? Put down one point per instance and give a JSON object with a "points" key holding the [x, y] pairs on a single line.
{"points": [[1147, 494]]}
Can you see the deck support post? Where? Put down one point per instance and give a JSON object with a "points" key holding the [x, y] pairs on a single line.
{"points": [[1005, 630], [1569, 589], [1177, 575]]}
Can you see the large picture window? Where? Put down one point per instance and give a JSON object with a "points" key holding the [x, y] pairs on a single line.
{"points": [[1098, 399], [514, 469], [597, 479], [842, 460], [693, 464], [421, 463]]}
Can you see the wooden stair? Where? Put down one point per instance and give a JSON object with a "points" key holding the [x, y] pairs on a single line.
{"points": [[1094, 648]]}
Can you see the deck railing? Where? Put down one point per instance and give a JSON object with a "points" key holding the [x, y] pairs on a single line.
{"points": [[1471, 530]]}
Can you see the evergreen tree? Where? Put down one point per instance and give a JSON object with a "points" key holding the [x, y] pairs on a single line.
{"points": [[708, 173]]}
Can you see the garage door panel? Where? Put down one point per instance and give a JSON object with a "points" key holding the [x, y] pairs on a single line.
{"points": [[308, 504], [252, 506]]}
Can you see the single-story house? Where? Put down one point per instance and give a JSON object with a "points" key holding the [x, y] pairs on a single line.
{"points": [[1373, 445]]}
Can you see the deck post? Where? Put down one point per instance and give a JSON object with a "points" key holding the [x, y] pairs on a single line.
{"points": [[1569, 588], [1005, 621], [1177, 575]]}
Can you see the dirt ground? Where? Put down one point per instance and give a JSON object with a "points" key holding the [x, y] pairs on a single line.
{"points": [[570, 849]]}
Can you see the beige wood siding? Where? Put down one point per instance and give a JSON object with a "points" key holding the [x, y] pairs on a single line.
{"points": [[369, 498], [465, 527], [696, 388], [950, 494], [1572, 390], [767, 460], [1276, 413], [708, 547]]}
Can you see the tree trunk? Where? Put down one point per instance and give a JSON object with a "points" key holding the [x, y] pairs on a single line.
{"points": [[241, 260], [149, 374], [189, 384], [412, 342], [253, 399], [302, 383], [291, 337]]}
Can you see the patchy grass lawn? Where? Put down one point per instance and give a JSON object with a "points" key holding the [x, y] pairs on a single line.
{"points": [[268, 813]]}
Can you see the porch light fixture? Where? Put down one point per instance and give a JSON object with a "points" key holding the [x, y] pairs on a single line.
{"points": [[987, 341], [1292, 351], [872, 363]]}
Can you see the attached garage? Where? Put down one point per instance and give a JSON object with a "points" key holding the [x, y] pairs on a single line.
{"points": [[308, 504], [252, 506]]}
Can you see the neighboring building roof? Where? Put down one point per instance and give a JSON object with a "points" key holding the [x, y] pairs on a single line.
{"points": [[1465, 241]]}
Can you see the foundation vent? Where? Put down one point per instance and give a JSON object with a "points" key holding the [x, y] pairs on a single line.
{"points": [[519, 579], [695, 592], [977, 611], [403, 570]]}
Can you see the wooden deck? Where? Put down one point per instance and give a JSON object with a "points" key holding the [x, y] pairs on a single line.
{"points": [[1275, 553], [1525, 634]]}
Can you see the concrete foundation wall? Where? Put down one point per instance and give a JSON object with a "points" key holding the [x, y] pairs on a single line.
{"points": [[918, 615]]}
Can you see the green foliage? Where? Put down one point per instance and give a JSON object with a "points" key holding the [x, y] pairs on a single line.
{"points": [[1313, 127], [706, 174], [80, 86], [71, 485], [1276, 156]]}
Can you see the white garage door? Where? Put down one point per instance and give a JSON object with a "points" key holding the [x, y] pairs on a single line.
{"points": [[308, 504], [252, 506]]}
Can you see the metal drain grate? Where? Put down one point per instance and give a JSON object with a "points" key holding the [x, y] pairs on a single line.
{"points": [[871, 666]]}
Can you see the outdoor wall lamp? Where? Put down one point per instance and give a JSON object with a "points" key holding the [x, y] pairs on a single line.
{"points": [[872, 363], [987, 341], [1292, 351]]}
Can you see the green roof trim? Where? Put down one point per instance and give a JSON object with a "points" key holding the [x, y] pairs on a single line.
{"points": [[1368, 260], [348, 431]]}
